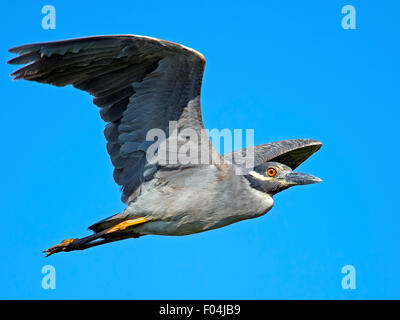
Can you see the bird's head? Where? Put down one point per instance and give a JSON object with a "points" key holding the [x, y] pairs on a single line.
{"points": [[273, 177]]}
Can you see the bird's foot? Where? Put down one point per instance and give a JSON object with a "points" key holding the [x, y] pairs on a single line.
{"points": [[65, 245]]}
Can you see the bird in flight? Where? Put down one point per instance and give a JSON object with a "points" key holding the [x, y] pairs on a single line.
{"points": [[142, 83]]}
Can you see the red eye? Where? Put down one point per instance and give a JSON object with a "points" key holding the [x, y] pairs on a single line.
{"points": [[271, 172]]}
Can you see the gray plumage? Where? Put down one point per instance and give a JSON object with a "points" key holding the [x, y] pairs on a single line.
{"points": [[138, 82], [141, 83], [289, 152]]}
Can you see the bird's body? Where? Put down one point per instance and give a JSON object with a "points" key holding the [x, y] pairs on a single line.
{"points": [[145, 86], [194, 210]]}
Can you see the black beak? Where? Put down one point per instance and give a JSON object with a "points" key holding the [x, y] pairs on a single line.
{"points": [[296, 178]]}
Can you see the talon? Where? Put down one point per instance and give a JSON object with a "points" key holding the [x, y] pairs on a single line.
{"points": [[59, 247]]}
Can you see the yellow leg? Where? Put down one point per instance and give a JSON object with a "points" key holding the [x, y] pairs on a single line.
{"points": [[84, 243], [125, 224]]}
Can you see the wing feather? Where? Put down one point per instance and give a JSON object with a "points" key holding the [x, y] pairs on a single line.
{"points": [[139, 83], [289, 152]]}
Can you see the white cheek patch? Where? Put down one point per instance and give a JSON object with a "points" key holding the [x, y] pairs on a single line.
{"points": [[259, 176]]}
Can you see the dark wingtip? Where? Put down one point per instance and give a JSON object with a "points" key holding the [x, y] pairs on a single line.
{"points": [[17, 49], [318, 144], [294, 152], [13, 50], [13, 60], [311, 141]]}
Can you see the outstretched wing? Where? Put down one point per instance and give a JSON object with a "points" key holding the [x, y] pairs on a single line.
{"points": [[140, 83], [289, 152]]}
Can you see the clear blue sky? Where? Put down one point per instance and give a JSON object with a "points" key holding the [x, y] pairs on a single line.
{"points": [[286, 69]]}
